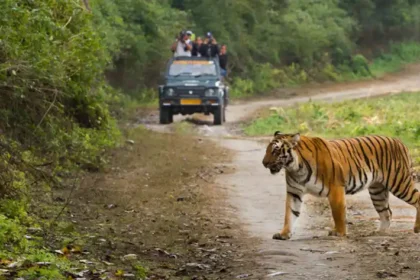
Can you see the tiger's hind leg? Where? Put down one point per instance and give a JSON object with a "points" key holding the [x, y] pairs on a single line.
{"points": [[380, 198], [407, 192]]}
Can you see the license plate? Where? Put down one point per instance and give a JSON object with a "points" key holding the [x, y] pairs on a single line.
{"points": [[190, 101]]}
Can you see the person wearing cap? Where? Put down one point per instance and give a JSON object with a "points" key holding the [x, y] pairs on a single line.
{"points": [[181, 47], [209, 47], [191, 36]]}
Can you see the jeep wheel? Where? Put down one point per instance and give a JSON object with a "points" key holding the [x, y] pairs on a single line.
{"points": [[165, 115], [218, 115]]}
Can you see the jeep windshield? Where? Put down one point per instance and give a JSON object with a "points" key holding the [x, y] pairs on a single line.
{"points": [[194, 68]]}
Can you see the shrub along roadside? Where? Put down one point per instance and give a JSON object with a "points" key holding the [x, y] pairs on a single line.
{"points": [[54, 123], [265, 77], [395, 116]]}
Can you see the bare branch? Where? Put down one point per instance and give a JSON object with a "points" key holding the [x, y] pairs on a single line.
{"points": [[48, 110], [66, 204], [86, 2], [67, 23]]}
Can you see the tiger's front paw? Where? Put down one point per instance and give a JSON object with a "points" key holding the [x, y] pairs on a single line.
{"points": [[281, 236]]}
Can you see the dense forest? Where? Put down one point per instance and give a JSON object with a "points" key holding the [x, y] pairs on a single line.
{"points": [[68, 66], [270, 43]]}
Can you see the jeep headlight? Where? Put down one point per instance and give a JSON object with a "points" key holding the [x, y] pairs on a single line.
{"points": [[169, 92], [210, 92]]}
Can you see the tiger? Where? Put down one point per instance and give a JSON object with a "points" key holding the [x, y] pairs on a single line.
{"points": [[335, 168]]}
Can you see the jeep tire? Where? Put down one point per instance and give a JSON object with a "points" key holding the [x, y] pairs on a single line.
{"points": [[218, 115], [165, 115]]}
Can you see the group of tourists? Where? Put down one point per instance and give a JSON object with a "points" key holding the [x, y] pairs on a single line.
{"points": [[186, 45]]}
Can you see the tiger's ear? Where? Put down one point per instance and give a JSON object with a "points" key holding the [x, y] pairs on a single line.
{"points": [[295, 139], [277, 133]]}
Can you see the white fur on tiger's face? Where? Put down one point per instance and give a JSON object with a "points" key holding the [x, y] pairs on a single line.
{"points": [[280, 152]]}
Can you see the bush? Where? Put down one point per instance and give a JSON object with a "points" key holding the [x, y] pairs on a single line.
{"points": [[54, 117], [398, 55], [53, 99]]}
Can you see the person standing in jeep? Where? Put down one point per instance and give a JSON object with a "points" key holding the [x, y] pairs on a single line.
{"points": [[223, 60], [196, 47], [181, 47], [209, 48]]}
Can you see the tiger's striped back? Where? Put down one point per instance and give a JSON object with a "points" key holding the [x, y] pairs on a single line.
{"points": [[376, 159]]}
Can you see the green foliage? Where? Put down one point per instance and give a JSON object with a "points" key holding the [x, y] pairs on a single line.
{"points": [[138, 34], [53, 97], [378, 20], [271, 44], [395, 116], [11, 235], [360, 65], [54, 116], [14, 209], [140, 271], [317, 27], [264, 77], [15, 248], [42, 273], [398, 55]]}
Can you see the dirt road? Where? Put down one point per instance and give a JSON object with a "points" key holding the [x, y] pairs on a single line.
{"points": [[259, 199]]}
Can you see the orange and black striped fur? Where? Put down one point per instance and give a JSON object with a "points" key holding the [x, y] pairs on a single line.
{"points": [[334, 168]]}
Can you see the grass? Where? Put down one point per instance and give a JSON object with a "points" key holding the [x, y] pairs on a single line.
{"points": [[395, 116], [23, 253]]}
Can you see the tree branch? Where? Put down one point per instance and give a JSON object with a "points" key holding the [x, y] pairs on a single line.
{"points": [[48, 110], [86, 2]]}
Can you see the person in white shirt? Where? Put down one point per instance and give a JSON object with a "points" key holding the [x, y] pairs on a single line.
{"points": [[189, 34], [181, 47]]}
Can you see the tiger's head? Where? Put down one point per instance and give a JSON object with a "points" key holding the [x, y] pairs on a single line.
{"points": [[281, 152]]}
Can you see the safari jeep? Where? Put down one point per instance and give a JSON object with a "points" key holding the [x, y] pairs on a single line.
{"points": [[193, 85]]}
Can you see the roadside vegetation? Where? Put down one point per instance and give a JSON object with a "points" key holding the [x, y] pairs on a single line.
{"points": [[395, 116], [268, 78], [54, 124]]}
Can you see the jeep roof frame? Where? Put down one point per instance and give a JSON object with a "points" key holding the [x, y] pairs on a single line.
{"points": [[215, 59]]}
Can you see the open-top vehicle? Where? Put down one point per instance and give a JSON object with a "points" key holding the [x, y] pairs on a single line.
{"points": [[193, 85]]}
